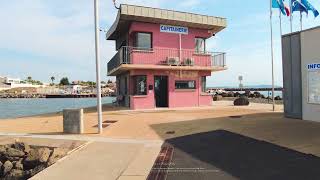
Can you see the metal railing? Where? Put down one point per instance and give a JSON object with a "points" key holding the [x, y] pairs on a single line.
{"points": [[166, 56]]}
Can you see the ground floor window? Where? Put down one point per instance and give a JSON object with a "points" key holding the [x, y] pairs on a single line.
{"points": [[185, 84], [204, 84], [140, 85]]}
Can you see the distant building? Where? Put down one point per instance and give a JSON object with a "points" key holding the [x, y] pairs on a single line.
{"points": [[163, 59], [9, 83]]}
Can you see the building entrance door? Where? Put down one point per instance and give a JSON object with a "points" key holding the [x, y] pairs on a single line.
{"points": [[161, 91]]}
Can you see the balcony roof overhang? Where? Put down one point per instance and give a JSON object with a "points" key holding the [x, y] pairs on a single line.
{"points": [[127, 67], [130, 13]]}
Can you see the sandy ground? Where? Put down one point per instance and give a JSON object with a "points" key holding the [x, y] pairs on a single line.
{"points": [[257, 121], [129, 124]]}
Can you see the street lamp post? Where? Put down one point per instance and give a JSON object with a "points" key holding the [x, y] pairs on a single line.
{"points": [[97, 53]]}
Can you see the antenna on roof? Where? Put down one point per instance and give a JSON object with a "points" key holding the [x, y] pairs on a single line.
{"points": [[115, 5]]}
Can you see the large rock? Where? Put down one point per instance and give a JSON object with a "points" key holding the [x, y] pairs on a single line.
{"points": [[242, 101], [15, 174], [11, 152], [22, 146], [2, 149], [57, 154], [0, 167], [217, 98], [18, 165], [7, 166], [36, 157], [37, 169]]}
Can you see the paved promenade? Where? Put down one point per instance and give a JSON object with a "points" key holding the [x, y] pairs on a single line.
{"points": [[230, 142]]}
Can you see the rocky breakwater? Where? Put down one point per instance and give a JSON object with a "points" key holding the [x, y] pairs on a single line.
{"points": [[21, 161]]}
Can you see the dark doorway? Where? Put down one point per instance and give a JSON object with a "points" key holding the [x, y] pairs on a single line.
{"points": [[161, 91]]}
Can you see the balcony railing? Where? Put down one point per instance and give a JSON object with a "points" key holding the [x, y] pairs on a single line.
{"points": [[168, 57]]}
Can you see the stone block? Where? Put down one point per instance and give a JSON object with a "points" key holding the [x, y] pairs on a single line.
{"points": [[73, 121]]}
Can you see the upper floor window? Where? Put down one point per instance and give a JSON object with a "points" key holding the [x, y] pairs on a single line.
{"points": [[143, 40], [200, 45]]}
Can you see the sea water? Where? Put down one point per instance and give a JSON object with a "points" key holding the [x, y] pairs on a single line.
{"points": [[13, 108]]}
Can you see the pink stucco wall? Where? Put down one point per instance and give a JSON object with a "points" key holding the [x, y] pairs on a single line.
{"points": [[177, 98], [167, 45], [167, 40]]}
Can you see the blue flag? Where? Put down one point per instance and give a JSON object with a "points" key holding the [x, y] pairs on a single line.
{"points": [[298, 6], [309, 6]]}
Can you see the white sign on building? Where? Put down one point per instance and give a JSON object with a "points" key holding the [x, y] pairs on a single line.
{"points": [[314, 83], [174, 29]]}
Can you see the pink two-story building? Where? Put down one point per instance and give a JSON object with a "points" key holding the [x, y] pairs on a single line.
{"points": [[162, 59]]}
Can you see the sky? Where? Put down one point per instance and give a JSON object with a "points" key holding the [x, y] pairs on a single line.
{"points": [[44, 38]]}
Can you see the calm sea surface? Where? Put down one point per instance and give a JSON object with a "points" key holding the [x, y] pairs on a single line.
{"points": [[12, 108]]}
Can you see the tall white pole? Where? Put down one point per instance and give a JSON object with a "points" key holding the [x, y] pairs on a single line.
{"points": [[97, 51], [280, 23], [272, 64], [291, 11]]}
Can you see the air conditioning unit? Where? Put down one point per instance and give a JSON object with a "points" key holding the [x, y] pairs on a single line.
{"points": [[189, 61], [173, 61]]}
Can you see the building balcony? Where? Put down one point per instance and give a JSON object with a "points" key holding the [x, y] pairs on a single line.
{"points": [[128, 58]]}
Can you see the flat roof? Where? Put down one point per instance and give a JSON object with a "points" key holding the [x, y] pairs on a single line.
{"points": [[130, 13], [298, 32]]}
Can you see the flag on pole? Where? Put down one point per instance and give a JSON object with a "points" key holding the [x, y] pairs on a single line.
{"points": [[278, 4], [309, 6], [298, 6]]}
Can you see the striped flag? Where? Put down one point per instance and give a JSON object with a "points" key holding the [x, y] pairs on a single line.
{"points": [[279, 4]]}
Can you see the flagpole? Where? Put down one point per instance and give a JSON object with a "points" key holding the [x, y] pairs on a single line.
{"points": [[272, 65], [291, 15], [300, 20], [280, 22]]}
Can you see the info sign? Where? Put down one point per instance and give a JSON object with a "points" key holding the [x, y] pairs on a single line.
{"points": [[314, 83]]}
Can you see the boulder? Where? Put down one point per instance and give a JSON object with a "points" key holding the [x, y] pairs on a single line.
{"points": [[236, 94], [18, 165], [278, 98], [217, 98], [11, 152], [37, 169], [242, 101], [2, 149], [57, 154], [22, 146], [230, 94], [15, 174], [7, 166], [0, 167], [36, 157]]}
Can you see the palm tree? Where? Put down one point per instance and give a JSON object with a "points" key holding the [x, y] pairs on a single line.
{"points": [[52, 79]]}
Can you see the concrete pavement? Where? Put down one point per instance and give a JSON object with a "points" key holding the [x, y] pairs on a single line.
{"points": [[105, 160]]}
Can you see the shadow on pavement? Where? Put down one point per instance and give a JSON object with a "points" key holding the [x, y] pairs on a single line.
{"points": [[226, 155]]}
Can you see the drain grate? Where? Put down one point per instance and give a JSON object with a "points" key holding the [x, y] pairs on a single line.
{"points": [[160, 168]]}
